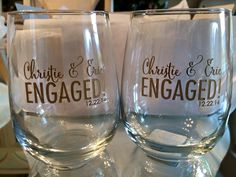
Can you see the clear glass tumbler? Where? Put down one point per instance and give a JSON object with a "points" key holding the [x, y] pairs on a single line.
{"points": [[177, 81], [63, 84]]}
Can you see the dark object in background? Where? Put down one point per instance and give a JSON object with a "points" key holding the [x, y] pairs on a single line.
{"points": [[9, 5], [129, 5], [120, 5], [100, 5]]}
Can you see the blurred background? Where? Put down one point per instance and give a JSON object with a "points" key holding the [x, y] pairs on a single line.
{"points": [[125, 5]]}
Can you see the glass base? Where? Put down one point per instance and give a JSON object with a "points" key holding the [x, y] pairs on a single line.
{"points": [[100, 166], [166, 152], [144, 165]]}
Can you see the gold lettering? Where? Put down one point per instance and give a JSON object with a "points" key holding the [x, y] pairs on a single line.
{"points": [[201, 90], [178, 91], [163, 90], [154, 87], [168, 71], [51, 73], [73, 91], [27, 92], [219, 87], [187, 91], [64, 93], [86, 89], [144, 86], [211, 89], [50, 99], [96, 87], [38, 92]]}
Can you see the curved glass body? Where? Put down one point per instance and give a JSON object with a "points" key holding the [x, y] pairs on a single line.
{"points": [[176, 96], [63, 85]]}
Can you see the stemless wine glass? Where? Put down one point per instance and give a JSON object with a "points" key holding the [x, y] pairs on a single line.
{"points": [[63, 86], [176, 88]]}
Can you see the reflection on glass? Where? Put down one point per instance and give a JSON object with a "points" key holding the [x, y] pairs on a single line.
{"points": [[101, 166], [143, 165]]}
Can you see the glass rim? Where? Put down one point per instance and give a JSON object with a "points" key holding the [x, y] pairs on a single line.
{"points": [[57, 12], [184, 11]]}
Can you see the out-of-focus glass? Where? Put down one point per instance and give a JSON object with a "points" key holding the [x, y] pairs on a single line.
{"points": [[102, 165], [177, 80], [64, 4], [143, 165], [63, 85]]}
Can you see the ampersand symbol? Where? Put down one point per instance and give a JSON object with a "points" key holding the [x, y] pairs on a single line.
{"points": [[73, 71], [191, 69]]}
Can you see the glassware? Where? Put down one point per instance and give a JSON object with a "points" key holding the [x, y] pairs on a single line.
{"points": [[143, 165], [63, 85], [100, 166], [177, 80]]}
